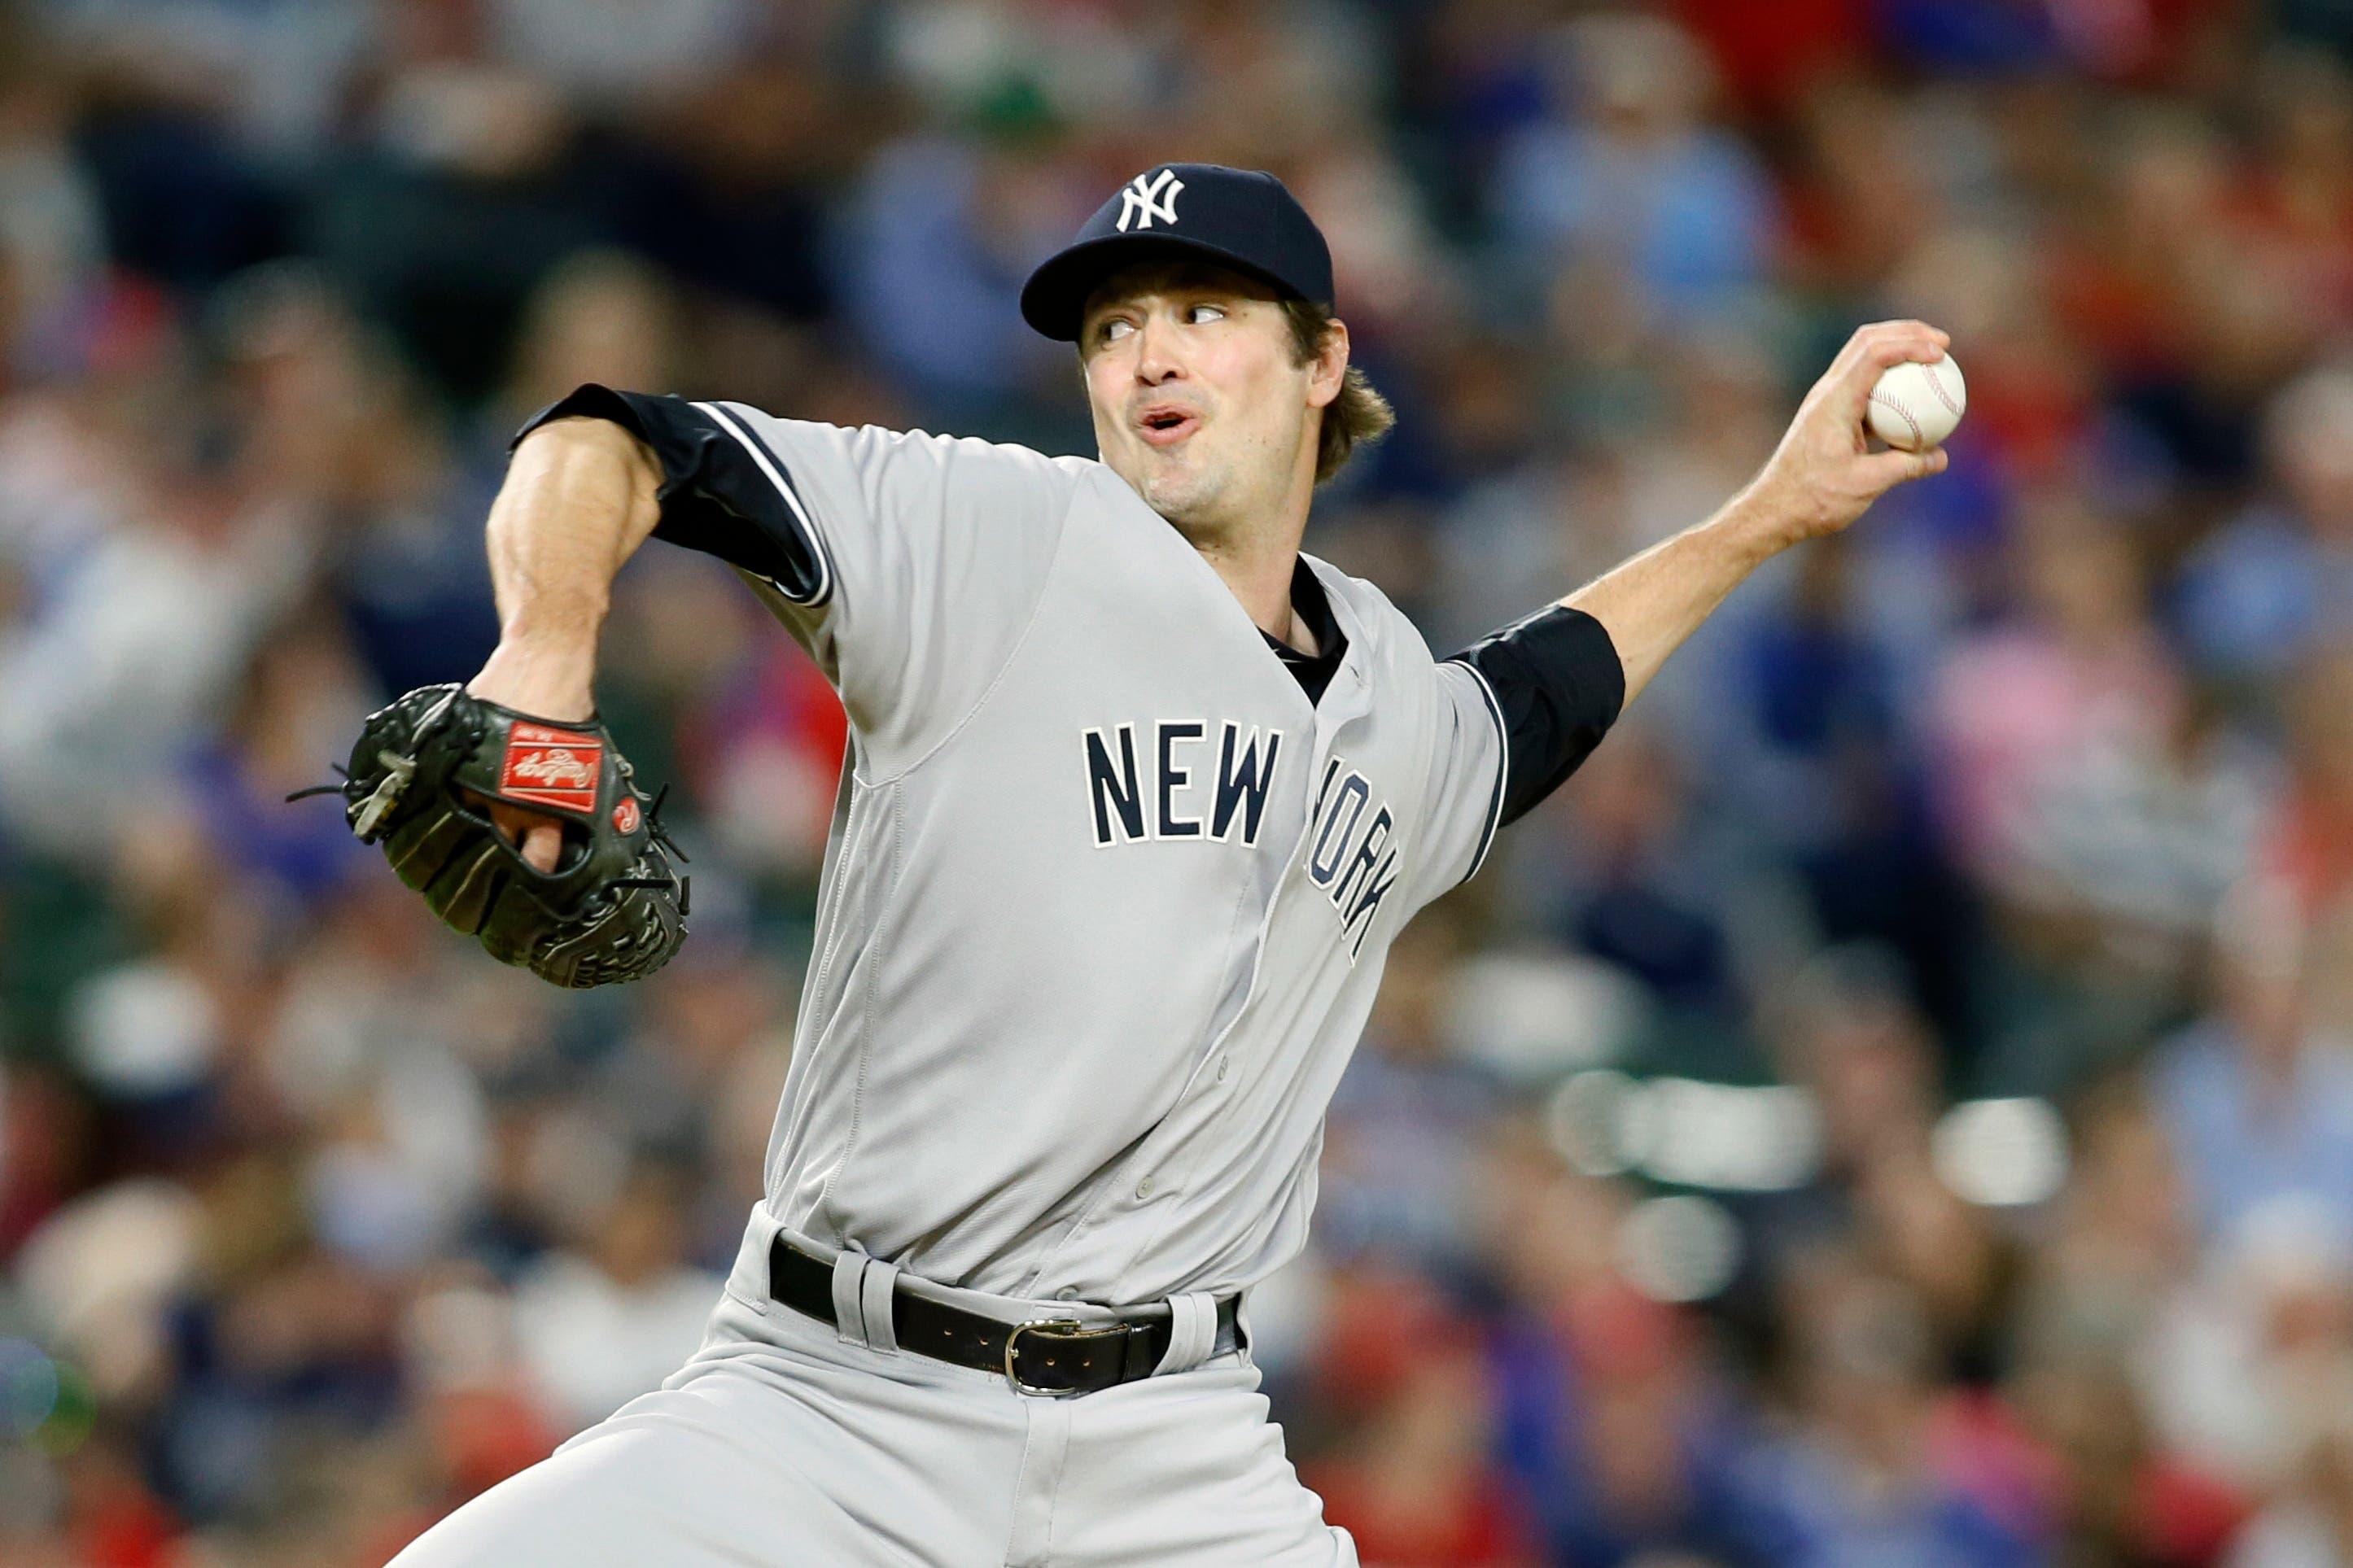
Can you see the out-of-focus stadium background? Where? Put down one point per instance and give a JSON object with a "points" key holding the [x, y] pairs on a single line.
{"points": [[1894, 1107]]}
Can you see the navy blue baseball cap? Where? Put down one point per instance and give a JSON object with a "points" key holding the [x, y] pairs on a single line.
{"points": [[1243, 218]]}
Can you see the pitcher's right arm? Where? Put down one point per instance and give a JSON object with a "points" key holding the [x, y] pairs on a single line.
{"points": [[577, 501]]}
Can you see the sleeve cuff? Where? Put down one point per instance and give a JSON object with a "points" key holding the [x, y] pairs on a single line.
{"points": [[724, 491], [1555, 686]]}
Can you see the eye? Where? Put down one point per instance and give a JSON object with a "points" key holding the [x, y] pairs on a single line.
{"points": [[1216, 312], [1111, 330]]}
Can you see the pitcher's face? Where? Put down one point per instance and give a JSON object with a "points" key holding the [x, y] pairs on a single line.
{"points": [[1199, 400]]}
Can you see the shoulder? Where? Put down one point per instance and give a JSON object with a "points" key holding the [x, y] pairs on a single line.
{"points": [[927, 479], [971, 455], [986, 474]]}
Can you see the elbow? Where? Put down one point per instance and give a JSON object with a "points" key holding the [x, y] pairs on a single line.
{"points": [[578, 441], [585, 465]]}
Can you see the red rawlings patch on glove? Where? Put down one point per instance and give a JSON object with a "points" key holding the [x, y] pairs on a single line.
{"points": [[553, 767]]}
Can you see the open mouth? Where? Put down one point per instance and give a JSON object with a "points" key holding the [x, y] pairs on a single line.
{"points": [[1167, 426]]}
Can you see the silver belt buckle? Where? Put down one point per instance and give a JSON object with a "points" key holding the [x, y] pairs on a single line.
{"points": [[1069, 1329]]}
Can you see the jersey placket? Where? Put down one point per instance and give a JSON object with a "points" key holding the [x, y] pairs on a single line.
{"points": [[1152, 1174]]}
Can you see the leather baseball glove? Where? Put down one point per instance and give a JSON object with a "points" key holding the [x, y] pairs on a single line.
{"points": [[419, 781]]}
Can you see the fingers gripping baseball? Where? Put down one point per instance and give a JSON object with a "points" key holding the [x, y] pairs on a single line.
{"points": [[1824, 474]]}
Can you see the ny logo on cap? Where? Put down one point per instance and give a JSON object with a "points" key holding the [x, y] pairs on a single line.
{"points": [[1149, 197]]}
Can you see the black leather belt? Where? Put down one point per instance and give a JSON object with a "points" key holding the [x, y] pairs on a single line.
{"points": [[1045, 1356]]}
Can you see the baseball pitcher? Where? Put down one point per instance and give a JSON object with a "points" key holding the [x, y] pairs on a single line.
{"points": [[1136, 799]]}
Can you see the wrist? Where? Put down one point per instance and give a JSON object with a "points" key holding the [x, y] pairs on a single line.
{"points": [[547, 677], [1756, 525], [555, 628]]}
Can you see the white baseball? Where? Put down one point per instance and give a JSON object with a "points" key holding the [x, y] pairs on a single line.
{"points": [[1914, 406]]}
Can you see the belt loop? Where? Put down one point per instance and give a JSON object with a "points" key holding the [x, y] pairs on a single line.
{"points": [[1192, 1329], [874, 1292], [849, 1303]]}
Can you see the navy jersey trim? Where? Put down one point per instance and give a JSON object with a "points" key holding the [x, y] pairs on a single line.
{"points": [[1556, 684], [774, 468], [1502, 767], [723, 491], [1313, 671]]}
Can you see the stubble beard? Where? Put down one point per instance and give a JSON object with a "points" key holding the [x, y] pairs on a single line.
{"points": [[1204, 497], [1183, 495], [1175, 496]]}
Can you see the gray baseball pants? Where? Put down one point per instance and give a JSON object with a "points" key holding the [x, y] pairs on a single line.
{"points": [[788, 1441]]}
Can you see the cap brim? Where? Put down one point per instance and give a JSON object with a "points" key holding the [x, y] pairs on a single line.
{"points": [[1054, 299]]}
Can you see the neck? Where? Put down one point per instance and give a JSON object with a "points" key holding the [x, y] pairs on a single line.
{"points": [[1256, 563], [1259, 574]]}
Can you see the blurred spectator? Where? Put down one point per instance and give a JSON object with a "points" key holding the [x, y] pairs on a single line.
{"points": [[2311, 1524], [1399, 1141], [1413, 1482], [1864, 1470], [2270, 585], [2259, 1101], [613, 1320], [944, 231], [1627, 169], [1614, 1423], [1644, 895]]}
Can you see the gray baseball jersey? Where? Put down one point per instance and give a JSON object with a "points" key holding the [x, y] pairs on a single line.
{"points": [[1107, 894]]}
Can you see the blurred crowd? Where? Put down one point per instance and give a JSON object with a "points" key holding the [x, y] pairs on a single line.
{"points": [[1895, 1106]]}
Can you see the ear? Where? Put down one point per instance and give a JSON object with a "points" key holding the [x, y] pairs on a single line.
{"points": [[1329, 368]]}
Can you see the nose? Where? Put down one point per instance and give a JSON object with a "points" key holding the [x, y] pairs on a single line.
{"points": [[1155, 360]]}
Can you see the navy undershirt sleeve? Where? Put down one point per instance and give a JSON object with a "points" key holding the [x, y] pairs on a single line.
{"points": [[1560, 686], [713, 496]]}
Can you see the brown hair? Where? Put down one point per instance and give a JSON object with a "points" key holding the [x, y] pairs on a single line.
{"points": [[1360, 415]]}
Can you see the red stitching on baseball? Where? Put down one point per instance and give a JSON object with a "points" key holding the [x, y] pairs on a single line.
{"points": [[1928, 375], [1885, 402]]}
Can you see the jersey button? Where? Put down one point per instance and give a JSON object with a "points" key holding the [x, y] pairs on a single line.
{"points": [[1067, 1293], [1223, 1063], [1143, 1189]]}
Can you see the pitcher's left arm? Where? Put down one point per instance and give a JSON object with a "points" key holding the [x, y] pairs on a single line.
{"points": [[1521, 708], [1820, 479]]}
